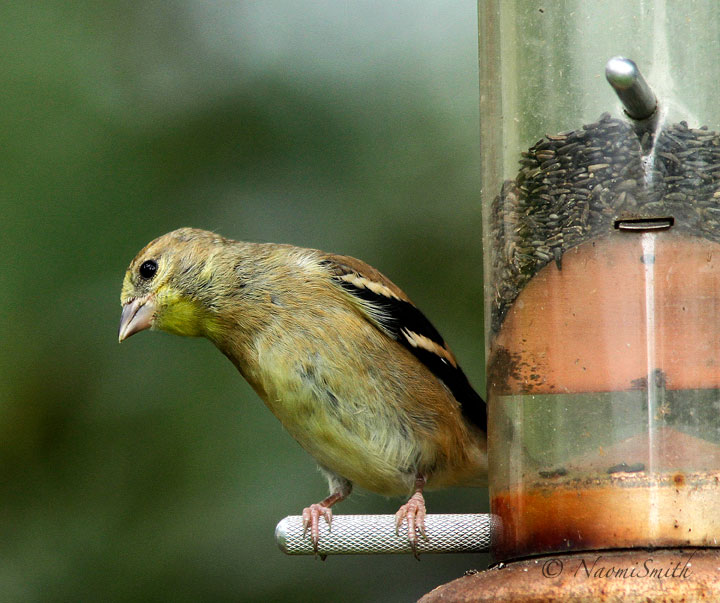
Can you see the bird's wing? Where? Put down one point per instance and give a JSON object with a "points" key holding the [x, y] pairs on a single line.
{"points": [[387, 307]]}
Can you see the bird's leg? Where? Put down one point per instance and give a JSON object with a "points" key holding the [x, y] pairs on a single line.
{"points": [[414, 511], [339, 490]]}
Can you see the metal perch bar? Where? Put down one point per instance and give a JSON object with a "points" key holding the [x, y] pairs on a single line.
{"points": [[375, 535], [629, 84]]}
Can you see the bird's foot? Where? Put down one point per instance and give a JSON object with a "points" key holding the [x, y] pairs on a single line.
{"points": [[311, 515], [311, 519], [414, 511]]}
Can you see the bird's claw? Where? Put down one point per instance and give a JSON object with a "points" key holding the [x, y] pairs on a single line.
{"points": [[311, 519], [414, 511]]}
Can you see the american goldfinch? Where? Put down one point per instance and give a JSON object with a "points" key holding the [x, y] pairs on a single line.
{"points": [[353, 370]]}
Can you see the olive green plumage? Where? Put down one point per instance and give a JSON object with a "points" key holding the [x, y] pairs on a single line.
{"points": [[321, 339]]}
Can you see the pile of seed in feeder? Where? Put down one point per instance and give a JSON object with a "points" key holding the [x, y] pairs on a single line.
{"points": [[572, 187]]}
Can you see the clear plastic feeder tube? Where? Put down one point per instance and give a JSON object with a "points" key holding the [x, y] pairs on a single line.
{"points": [[600, 140]]}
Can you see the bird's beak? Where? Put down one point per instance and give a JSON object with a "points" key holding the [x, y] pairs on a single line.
{"points": [[137, 315]]}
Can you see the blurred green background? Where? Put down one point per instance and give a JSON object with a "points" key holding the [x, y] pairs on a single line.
{"points": [[151, 471]]}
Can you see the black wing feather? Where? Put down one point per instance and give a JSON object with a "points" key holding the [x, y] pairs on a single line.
{"points": [[400, 315]]}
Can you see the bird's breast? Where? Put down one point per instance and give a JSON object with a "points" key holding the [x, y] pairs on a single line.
{"points": [[351, 426]]}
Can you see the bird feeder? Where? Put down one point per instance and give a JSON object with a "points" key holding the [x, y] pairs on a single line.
{"points": [[600, 131]]}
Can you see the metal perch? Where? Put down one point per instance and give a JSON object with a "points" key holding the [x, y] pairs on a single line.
{"points": [[375, 535], [629, 84]]}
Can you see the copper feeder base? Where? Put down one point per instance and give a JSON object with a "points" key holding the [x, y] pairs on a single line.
{"points": [[627, 576]]}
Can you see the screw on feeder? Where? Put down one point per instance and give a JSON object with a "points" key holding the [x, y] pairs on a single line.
{"points": [[633, 91]]}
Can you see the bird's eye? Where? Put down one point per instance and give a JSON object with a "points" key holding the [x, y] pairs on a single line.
{"points": [[148, 269]]}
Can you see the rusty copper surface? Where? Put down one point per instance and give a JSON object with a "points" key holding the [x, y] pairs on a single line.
{"points": [[623, 510], [630, 576], [584, 328]]}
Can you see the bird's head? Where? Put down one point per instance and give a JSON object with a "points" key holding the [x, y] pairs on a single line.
{"points": [[170, 284]]}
